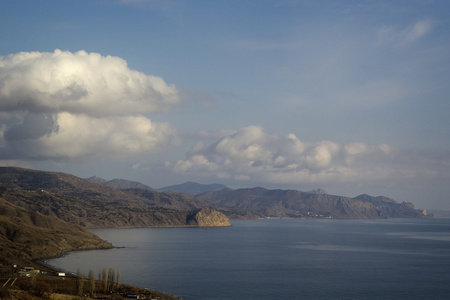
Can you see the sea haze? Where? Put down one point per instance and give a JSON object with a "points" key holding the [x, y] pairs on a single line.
{"points": [[281, 259]]}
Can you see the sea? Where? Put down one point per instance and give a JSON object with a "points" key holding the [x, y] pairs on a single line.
{"points": [[280, 259]]}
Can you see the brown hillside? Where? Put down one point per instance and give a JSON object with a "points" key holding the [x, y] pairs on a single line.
{"points": [[30, 235], [292, 203], [78, 201]]}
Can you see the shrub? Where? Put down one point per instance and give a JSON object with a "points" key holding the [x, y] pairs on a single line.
{"points": [[4, 293], [25, 284], [42, 289]]}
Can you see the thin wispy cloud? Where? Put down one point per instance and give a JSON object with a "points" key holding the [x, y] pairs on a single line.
{"points": [[149, 4], [402, 37], [263, 45]]}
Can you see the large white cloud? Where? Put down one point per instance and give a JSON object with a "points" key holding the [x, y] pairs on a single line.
{"points": [[80, 82], [251, 154], [80, 105]]}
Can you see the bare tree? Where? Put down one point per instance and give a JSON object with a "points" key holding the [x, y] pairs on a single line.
{"points": [[118, 279], [111, 278], [104, 280], [79, 283], [91, 281]]}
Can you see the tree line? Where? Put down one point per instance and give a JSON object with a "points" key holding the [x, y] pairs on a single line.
{"points": [[110, 280]]}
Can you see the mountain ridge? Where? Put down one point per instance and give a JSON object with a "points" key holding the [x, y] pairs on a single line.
{"points": [[120, 184], [81, 202], [296, 204], [192, 188], [105, 206]]}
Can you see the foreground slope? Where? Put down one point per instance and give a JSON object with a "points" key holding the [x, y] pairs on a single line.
{"points": [[29, 235]]}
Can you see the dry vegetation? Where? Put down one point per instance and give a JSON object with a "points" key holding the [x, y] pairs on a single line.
{"points": [[47, 285]]}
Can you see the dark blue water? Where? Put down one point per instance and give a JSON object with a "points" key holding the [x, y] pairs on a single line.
{"points": [[281, 259]]}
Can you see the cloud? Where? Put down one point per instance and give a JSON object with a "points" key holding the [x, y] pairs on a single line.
{"points": [[251, 154], [208, 134], [79, 106], [373, 94], [80, 82], [80, 137], [149, 4], [391, 35]]}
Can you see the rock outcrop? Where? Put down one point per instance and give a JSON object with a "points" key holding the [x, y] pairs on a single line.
{"points": [[207, 217]]}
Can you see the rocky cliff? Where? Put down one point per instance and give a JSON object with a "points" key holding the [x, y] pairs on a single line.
{"points": [[391, 208], [207, 217]]}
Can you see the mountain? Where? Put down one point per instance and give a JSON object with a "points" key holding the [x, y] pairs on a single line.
{"points": [[29, 235], [177, 201], [120, 184], [95, 179], [92, 204], [391, 208], [192, 188], [89, 204], [291, 203], [317, 191]]}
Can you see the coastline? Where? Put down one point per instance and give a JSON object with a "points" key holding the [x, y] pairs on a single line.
{"points": [[48, 273]]}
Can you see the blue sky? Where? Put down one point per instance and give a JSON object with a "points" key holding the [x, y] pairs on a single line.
{"points": [[349, 96]]}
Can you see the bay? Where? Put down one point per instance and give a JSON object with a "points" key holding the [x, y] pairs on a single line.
{"points": [[281, 259]]}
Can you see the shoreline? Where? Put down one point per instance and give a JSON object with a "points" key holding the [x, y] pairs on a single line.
{"points": [[43, 264]]}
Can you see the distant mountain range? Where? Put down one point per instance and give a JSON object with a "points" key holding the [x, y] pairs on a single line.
{"points": [[296, 204], [95, 202], [192, 188], [261, 203], [120, 184], [318, 191]]}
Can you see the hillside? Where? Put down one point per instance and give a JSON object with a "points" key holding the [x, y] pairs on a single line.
{"points": [[192, 188], [177, 201], [391, 208], [93, 204], [89, 204], [120, 184], [296, 204], [29, 235]]}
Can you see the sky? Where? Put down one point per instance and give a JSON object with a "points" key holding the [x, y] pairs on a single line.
{"points": [[348, 96]]}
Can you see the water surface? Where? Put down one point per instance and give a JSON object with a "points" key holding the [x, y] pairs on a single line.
{"points": [[281, 259]]}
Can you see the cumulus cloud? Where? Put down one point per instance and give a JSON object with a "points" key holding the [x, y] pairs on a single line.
{"points": [[252, 154], [80, 105], [80, 82]]}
